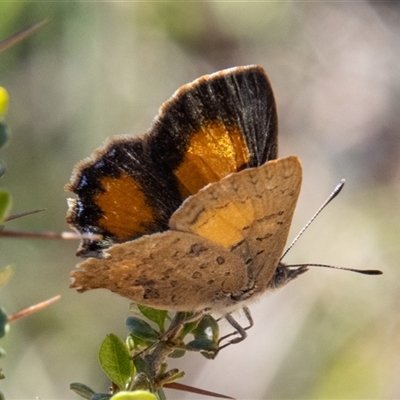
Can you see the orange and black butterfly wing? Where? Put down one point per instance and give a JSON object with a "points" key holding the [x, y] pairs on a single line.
{"points": [[219, 124], [120, 195]]}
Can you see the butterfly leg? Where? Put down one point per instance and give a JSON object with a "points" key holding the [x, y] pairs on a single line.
{"points": [[240, 331]]}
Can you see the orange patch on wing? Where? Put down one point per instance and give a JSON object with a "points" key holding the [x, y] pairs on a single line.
{"points": [[124, 207], [230, 219], [214, 152]]}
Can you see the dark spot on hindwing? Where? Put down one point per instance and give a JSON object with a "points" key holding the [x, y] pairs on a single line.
{"points": [[196, 250]]}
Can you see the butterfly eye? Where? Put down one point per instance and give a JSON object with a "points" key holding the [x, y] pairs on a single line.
{"points": [[279, 278]]}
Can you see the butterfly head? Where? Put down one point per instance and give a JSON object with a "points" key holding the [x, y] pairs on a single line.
{"points": [[284, 274]]}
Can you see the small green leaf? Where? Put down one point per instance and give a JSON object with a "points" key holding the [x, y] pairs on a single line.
{"points": [[157, 316], [5, 274], [3, 167], [207, 348], [171, 376], [2, 353], [207, 328], [206, 337], [136, 395], [82, 390], [141, 329], [115, 360], [141, 366], [3, 322], [5, 133], [189, 326], [177, 353], [143, 379], [130, 343], [5, 205], [201, 344], [161, 395]]}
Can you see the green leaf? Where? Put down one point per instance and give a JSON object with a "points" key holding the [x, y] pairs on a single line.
{"points": [[136, 395], [116, 361], [2, 353], [3, 322], [189, 326], [5, 205], [206, 337], [157, 316], [207, 328], [144, 378], [82, 390], [177, 353], [207, 348], [141, 329], [201, 344], [171, 376], [161, 394], [5, 274], [5, 133], [3, 167], [130, 343], [141, 366]]}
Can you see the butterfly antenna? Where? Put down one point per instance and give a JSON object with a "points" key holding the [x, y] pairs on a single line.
{"points": [[335, 192], [359, 271]]}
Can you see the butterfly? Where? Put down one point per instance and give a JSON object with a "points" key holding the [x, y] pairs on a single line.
{"points": [[195, 214]]}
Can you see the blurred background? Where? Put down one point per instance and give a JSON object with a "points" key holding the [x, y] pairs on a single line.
{"points": [[101, 69]]}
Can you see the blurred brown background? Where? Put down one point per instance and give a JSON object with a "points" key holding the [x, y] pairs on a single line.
{"points": [[100, 69]]}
